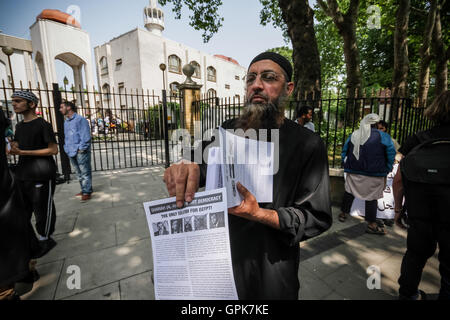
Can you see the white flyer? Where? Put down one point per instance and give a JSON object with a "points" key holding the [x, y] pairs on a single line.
{"points": [[385, 205], [214, 172], [191, 248], [248, 161]]}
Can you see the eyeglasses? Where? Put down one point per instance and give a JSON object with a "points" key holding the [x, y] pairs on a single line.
{"points": [[266, 76]]}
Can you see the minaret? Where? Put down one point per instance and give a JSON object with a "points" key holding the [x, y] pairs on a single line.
{"points": [[154, 18]]}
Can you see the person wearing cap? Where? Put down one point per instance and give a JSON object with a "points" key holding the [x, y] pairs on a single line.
{"points": [[77, 145], [35, 144], [265, 238]]}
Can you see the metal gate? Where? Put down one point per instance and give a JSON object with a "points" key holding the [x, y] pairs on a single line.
{"points": [[128, 128]]}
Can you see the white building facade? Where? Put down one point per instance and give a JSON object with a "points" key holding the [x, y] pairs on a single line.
{"points": [[132, 61], [21, 59]]}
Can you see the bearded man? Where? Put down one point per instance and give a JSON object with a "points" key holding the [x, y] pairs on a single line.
{"points": [[265, 238]]}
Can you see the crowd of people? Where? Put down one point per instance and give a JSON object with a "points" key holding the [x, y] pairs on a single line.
{"points": [[264, 237]]}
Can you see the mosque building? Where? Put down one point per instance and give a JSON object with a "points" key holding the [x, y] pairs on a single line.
{"points": [[128, 62], [132, 60]]}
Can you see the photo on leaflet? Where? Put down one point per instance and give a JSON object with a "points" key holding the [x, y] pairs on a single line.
{"points": [[176, 226], [188, 224], [216, 220], [161, 228], [200, 222]]}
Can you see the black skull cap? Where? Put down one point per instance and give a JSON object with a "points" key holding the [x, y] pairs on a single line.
{"points": [[278, 59]]}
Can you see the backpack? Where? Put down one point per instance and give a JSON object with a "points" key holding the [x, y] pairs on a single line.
{"points": [[428, 162]]}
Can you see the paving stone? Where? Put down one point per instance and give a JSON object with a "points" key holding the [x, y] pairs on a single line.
{"points": [[334, 296], [139, 287], [366, 253], [65, 223], [81, 241], [353, 285], [106, 266], [328, 262], [311, 287], [45, 287], [108, 238], [132, 230], [390, 268], [108, 292], [125, 197]]}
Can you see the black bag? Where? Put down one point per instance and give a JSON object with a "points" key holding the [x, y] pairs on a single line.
{"points": [[428, 162]]}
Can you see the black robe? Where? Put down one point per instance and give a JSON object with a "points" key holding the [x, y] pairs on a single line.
{"points": [[17, 238], [266, 260]]}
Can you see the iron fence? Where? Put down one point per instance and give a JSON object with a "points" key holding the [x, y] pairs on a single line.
{"points": [[334, 118], [127, 126]]}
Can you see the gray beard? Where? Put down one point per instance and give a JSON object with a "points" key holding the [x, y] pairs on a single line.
{"points": [[263, 115]]}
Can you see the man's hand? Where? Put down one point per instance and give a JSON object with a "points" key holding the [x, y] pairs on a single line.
{"points": [[182, 180], [249, 209], [15, 149], [398, 219]]}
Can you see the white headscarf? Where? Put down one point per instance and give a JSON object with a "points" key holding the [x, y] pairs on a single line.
{"points": [[360, 136]]}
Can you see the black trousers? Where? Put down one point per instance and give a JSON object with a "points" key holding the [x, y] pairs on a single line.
{"points": [[370, 206], [38, 198], [429, 227]]}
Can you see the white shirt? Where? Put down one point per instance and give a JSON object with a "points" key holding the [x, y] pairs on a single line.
{"points": [[308, 125]]}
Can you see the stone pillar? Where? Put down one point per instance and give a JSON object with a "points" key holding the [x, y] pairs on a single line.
{"points": [[190, 92]]}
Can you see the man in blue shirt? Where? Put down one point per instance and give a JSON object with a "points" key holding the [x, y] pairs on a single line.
{"points": [[77, 145]]}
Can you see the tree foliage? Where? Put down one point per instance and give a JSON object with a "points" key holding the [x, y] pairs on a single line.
{"points": [[375, 44], [204, 16]]}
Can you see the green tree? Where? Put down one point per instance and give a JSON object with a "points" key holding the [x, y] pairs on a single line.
{"points": [[294, 17]]}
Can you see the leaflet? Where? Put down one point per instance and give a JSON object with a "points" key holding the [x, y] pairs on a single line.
{"points": [[385, 209], [191, 248], [238, 159]]}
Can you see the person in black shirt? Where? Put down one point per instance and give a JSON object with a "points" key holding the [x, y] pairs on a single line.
{"points": [[35, 144], [428, 211]]}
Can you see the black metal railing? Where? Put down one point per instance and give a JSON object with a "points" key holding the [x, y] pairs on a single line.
{"points": [[127, 126], [334, 118]]}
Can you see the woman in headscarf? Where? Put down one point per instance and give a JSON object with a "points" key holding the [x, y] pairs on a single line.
{"points": [[368, 156]]}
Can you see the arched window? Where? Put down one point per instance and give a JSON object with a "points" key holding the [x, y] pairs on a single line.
{"points": [[106, 91], [211, 93], [104, 65], [197, 71], [174, 89], [174, 64], [211, 74], [155, 13]]}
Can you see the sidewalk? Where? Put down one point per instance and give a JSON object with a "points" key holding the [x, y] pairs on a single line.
{"points": [[108, 239]]}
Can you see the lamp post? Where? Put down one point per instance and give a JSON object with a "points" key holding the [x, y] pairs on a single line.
{"points": [[9, 51], [66, 82], [162, 66]]}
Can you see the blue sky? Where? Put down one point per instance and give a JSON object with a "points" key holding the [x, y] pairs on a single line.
{"points": [[241, 36]]}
